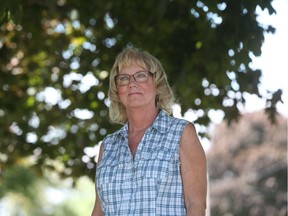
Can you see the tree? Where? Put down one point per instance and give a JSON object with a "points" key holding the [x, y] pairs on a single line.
{"points": [[55, 57], [248, 167]]}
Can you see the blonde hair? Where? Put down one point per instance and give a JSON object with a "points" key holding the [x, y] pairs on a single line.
{"points": [[133, 56]]}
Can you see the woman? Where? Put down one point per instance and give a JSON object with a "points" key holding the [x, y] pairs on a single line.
{"points": [[155, 164]]}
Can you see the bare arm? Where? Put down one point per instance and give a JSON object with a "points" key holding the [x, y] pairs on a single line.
{"points": [[97, 210], [193, 172]]}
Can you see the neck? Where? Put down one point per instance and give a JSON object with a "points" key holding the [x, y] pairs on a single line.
{"points": [[141, 119]]}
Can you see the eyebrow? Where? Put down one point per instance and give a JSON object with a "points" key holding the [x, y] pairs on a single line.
{"points": [[133, 73]]}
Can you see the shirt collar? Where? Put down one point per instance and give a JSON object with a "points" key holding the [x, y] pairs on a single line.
{"points": [[160, 124]]}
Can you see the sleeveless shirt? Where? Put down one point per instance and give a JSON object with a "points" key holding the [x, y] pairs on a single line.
{"points": [[148, 184]]}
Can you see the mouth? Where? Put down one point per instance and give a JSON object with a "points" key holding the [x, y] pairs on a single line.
{"points": [[134, 93]]}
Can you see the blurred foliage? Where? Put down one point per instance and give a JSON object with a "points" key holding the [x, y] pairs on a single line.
{"points": [[26, 193], [55, 56], [248, 167], [18, 179]]}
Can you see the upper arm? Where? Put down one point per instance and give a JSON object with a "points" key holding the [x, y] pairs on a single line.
{"points": [[193, 171], [97, 210]]}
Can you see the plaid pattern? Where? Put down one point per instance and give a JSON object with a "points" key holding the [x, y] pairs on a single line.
{"points": [[150, 184]]}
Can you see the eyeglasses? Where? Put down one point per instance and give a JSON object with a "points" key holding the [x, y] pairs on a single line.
{"points": [[139, 77]]}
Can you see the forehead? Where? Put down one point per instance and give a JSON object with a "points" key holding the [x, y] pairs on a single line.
{"points": [[129, 62], [131, 69]]}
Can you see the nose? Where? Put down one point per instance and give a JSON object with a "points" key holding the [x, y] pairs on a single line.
{"points": [[132, 80]]}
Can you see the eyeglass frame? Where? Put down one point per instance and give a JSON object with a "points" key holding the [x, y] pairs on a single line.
{"points": [[133, 75]]}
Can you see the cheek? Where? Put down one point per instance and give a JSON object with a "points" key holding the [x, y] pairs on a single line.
{"points": [[151, 89], [121, 92]]}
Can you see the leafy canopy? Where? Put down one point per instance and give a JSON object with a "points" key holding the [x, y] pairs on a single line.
{"points": [[55, 58]]}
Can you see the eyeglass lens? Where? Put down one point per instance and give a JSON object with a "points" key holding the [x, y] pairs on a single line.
{"points": [[124, 79]]}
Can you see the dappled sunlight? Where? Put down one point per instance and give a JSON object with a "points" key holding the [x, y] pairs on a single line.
{"points": [[55, 62]]}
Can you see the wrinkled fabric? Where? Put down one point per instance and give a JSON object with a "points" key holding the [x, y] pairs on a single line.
{"points": [[148, 184]]}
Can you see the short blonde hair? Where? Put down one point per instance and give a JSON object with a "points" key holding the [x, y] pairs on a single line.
{"points": [[133, 56]]}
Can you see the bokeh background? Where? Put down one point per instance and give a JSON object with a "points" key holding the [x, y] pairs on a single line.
{"points": [[226, 61]]}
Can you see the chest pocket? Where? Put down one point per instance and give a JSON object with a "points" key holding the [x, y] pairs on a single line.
{"points": [[158, 164]]}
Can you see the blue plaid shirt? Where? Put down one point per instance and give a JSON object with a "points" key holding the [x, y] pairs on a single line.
{"points": [[148, 184]]}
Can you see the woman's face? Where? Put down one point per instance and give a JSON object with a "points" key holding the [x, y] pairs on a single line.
{"points": [[135, 94]]}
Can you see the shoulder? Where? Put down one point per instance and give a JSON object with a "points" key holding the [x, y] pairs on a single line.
{"points": [[190, 131], [109, 142], [178, 123], [170, 120], [190, 141], [113, 136]]}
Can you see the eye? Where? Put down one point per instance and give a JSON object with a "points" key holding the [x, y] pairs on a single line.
{"points": [[123, 78], [141, 74]]}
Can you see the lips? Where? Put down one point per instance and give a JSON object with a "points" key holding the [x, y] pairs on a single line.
{"points": [[134, 93]]}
